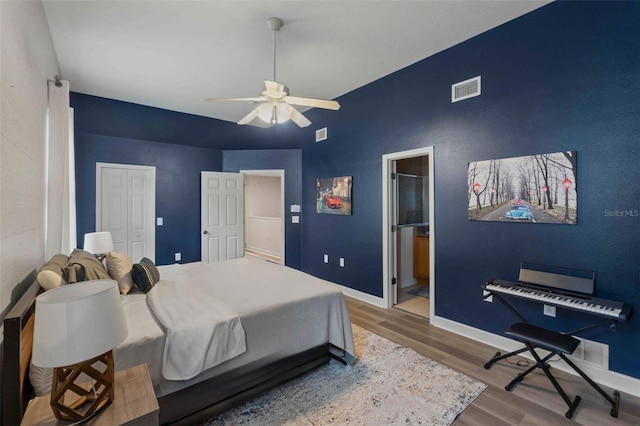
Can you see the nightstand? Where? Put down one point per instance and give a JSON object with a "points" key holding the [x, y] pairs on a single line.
{"points": [[135, 403]]}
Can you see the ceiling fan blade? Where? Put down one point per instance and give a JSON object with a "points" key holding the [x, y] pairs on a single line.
{"points": [[299, 119], [310, 102], [260, 99], [249, 117], [275, 88]]}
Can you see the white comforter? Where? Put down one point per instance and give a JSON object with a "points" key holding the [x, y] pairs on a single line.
{"points": [[201, 331]]}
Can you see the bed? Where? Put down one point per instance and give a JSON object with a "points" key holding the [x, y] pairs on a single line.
{"points": [[292, 322]]}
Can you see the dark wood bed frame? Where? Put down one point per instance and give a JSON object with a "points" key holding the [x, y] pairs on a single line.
{"points": [[186, 406]]}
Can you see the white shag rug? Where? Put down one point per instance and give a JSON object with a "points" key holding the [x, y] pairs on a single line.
{"points": [[388, 385]]}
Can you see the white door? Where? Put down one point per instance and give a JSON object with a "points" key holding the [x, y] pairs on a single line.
{"points": [[125, 205], [222, 209]]}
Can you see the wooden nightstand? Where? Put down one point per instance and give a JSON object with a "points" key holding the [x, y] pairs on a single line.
{"points": [[135, 403]]}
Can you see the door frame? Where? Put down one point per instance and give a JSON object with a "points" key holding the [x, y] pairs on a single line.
{"points": [[388, 237], [151, 211], [274, 173]]}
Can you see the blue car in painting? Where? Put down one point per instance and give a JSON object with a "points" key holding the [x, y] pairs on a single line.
{"points": [[520, 212]]}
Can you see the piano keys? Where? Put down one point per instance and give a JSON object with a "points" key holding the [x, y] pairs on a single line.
{"points": [[561, 298]]}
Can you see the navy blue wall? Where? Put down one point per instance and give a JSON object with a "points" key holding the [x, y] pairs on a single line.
{"points": [[177, 187], [288, 160], [564, 77]]}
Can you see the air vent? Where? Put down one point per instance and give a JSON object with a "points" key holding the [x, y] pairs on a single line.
{"points": [[321, 134], [592, 353], [465, 89]]}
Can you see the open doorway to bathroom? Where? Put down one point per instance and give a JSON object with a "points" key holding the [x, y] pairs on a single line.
{"points": [[408, 236], [412, 236]]}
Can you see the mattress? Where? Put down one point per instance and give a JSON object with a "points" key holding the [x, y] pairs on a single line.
{"points": [[283, 311]]}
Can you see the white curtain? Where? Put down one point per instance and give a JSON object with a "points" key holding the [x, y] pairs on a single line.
{"points": [[61, 211]]}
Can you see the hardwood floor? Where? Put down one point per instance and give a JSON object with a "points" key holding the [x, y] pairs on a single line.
{"points": [[533, 401]]}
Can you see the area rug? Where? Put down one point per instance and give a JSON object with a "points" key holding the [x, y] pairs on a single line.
{"points": [[422, 291], [388, 385]]}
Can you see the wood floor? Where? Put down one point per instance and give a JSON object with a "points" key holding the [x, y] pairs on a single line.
{"points": [[534, 401]]}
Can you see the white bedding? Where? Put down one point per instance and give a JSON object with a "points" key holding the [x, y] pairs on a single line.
{"points": [[283, 312], [201, 331]]}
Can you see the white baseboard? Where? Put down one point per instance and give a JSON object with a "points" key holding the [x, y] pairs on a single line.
{"points": [[262, 251], [607, 378], [365, 297]]}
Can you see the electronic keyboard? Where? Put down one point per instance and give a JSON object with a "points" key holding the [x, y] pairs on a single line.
{"points": [[562, 298]]}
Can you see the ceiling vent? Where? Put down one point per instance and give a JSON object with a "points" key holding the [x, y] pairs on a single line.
{"points": [[465, 89], [321, 134]]}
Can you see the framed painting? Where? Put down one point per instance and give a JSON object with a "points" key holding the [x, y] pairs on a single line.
{"points": [[532, 189], [333, 195]]}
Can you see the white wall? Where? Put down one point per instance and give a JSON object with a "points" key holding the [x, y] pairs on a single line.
{"points": [[28, 59], [263, 208]]}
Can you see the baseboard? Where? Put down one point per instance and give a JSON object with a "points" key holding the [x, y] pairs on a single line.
{"points": [[408, 283], [607, 378], [365, 297], [262, 251]]}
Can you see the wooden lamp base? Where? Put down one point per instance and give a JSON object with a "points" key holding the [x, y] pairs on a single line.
{"points": [[90, 398]]}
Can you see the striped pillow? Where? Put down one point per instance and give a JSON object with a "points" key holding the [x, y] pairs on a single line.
{"points": [[145, 274]]}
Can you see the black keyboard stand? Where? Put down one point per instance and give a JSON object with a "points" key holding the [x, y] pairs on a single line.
{"points": [[556, 343]]}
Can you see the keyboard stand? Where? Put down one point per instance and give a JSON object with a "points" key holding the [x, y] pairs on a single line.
{"points": [[556, 343]]}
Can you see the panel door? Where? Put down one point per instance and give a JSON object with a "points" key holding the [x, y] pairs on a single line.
{"points": [[222, 216], [127, 208]]}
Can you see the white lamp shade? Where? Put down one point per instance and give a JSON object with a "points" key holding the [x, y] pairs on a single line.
{"points": [[77, 322], [98, 242]]}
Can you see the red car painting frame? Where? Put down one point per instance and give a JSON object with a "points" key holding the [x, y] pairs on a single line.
{"points": [[333, 195]]}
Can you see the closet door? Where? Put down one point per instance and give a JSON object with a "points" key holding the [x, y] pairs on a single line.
{"points": [[125, 205]]}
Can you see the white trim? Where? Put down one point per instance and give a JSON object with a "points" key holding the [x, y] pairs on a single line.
{"points": [[262, 251], [387, 160], [275, 173], [151, 213], [365, 297], [608, 378]]}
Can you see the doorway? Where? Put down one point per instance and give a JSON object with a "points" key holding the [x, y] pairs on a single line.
{"points": [[408, 235], [264, 214]]}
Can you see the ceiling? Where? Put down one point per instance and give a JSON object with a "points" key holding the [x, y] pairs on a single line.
{"points": [[174, 54]]}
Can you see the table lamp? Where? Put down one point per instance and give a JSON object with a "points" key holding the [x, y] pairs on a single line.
{"points": [[98, 244], [76, 328]]}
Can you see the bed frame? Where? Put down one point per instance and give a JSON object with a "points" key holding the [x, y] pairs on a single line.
{"points": [[186, 406]]}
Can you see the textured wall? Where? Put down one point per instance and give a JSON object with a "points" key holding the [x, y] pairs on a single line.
{"points": [[28, 60]]}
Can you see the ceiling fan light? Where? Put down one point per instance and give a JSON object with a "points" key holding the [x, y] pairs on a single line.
{"points": [[265, 112], [275, 113], [283, 112]]}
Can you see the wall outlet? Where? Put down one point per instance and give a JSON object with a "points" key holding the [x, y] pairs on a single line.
{"points": [[487, 299], [159, 221], [326, 258], [342, 262], [295, 219], [549, 311], [178, 257]]}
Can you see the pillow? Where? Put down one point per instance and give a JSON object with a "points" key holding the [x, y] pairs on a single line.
{"points": [[145, 274], [119, 267], [50, 274], [41, 379], [81, 253], [84, 269]]}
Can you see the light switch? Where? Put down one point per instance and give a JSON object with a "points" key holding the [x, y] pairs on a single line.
{"points": [[159, 221]]}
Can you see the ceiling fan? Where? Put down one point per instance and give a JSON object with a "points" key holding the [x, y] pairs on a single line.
{"points": [[276, 105]]}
